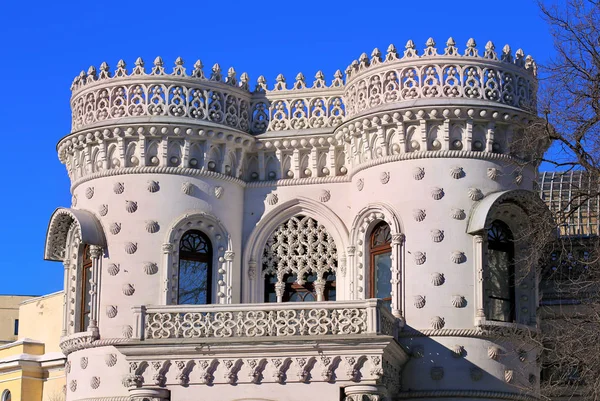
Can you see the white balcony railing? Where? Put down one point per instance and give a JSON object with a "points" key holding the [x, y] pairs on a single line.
{"points": [[265, 320]]}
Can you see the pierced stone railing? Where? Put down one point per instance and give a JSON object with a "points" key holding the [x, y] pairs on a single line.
{"points": [[103, 97], [265, 320], [425, 79]]}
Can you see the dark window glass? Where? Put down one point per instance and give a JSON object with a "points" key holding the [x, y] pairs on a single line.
{"points": [[86, 288], [380, 252], [16, 330], [500, 283], [195, 259]]}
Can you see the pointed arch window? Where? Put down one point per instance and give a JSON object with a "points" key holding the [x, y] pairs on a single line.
{"points": [[195, 270], [86, 289], [380, 257], [299, 262], [500, 280]]}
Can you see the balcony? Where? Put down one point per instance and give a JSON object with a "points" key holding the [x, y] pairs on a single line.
{"points": [[267, 320]]}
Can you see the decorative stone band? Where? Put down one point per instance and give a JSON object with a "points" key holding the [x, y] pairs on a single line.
{"points": [[101, 97], [265, 320], [459, 394], [116, 398], [489, 329], [74, 343]]}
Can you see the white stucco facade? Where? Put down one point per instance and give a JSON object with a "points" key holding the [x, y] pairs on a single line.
{"points": [[424, 143]]}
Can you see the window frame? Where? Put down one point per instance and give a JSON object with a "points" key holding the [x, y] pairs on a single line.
{"points": [[509, 247], [85, 309], [377, 251], [197, 257]]}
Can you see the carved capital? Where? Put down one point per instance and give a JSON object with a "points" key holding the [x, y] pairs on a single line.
{"points": [[478, 239], [229, 255], [398, 238], [95, 251], [167, 248]]}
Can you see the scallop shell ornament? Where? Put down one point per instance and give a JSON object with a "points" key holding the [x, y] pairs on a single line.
{"points": [[437, 323], [128, 289], [457, 172], [119, 188], [458, 214], [113, 269], [153, 186], [89, 192], [127, 331], [509, 375], [74, 200], [272, 199], [360, 184], [437, 279], [418, 173], [458, 351], [493, 173], [115, 228], [384, 177], [325, 195], [419, 301], [419, 214], [437, 235], [187, 188], [103, 210], [83, 362], [437, 193], [73, 385], [95, 382], [131, 206], [519, 179], [110, 360], [420, 257], [219, 192], [458, 301], [130, 248], [437, 373], [111, 311], [493, 353], [458, 257], [152, 226], [150, 268], [475, 194], [476, 374]]}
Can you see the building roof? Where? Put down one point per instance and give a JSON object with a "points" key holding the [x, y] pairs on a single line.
{"points": [[573, 197]]}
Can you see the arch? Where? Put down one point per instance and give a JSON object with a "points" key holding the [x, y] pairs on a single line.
{"points": [[265, 227], [90, 231], [358, 252], [222, 255], [527, 201], [6, 396], [517, 209]]}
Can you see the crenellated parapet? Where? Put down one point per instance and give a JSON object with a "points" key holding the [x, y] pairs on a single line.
{"points": [[413, 80], [387, 107]]}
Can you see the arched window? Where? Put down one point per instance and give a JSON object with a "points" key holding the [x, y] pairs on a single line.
{"points": [[500, 280], [6, 396], [380, 262], [86, 288], [195, 270], [299, 262]]}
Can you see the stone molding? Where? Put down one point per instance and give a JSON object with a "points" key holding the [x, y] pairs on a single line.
{"points": [[466, 394]]}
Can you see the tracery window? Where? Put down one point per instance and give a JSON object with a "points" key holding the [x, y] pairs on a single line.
{"points": [[86, 289], [380, 261], [299, 262], [195, 270], [500, 280]]}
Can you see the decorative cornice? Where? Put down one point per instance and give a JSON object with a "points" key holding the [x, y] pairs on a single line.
{"points": [[512, 330], [158, 170], [459, 394]]}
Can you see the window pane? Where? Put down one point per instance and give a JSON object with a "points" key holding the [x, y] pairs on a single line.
{"points": [[499, 282], [383, 275], [193, 282]]}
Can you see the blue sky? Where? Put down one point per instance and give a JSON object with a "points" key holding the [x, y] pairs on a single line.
{"points": [[43, 45]]}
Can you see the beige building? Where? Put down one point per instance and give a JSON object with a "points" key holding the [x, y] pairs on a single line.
{"points": [[9, 316], [32, 367]]}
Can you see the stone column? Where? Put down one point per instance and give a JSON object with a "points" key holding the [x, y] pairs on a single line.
{"points": [[167, 249], [478, 264], [366, 393], [96, 256], [397, 243], [66, 294]]}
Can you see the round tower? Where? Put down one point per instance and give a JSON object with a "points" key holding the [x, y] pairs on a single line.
{"points": [[392, 203]]}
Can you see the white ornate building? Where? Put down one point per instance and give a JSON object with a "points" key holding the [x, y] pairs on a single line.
{"points": [[206, 216]]}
